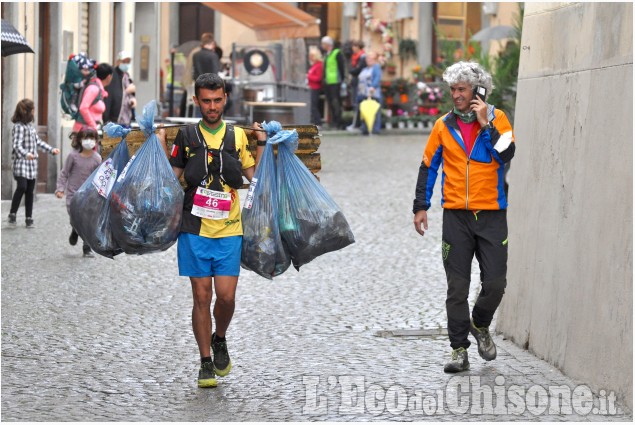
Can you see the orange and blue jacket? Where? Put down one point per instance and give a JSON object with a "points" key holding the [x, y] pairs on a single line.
{"points": [[474, 181]]}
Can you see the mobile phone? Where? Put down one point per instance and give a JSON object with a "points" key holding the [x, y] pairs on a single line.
{"points": [[480, 92]]}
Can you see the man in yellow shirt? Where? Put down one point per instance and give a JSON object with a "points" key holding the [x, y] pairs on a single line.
{"points": [[212, 156]]}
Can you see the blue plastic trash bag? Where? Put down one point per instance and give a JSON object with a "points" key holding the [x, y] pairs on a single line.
{"points": [[147, 199], [262, 250], [311, 223], [90, 207]]}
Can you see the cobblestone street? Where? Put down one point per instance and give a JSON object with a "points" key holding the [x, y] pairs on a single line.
{"points": [[94, 339]]}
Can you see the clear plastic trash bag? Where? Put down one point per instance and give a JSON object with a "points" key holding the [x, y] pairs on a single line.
{"points": [[90, 206], [147, 199], [262, 249], [311, 223]]}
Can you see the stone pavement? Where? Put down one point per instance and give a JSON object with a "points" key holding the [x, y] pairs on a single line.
{"points": [[93, 339]]}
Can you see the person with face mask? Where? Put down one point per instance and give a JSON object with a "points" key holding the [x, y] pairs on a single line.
{"points": [[121, 101], [79, 165]]}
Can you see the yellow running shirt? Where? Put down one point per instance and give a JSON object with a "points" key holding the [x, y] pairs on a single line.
{"points": [[231, 226]]}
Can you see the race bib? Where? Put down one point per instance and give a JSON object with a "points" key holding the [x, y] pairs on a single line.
{"points": [[105, 178], [250, 195], [211, 204]]}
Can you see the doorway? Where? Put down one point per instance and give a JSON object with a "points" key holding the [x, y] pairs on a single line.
{"points": [[42, 95]]}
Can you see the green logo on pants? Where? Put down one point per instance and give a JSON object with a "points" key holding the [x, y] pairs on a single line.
{"points": [[445, 250]]}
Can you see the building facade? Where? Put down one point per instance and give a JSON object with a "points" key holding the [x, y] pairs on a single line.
{"points": [[150, 30]]}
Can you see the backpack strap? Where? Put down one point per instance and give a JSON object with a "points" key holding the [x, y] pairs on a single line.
{"points": [[192, 137], [229, 139]]}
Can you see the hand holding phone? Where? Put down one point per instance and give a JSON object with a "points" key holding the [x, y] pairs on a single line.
{"points": [[480, 92]]}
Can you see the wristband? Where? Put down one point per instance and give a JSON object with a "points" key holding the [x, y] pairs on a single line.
{"points": [[261, 142]]}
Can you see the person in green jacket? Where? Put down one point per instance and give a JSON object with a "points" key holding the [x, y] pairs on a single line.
{"points": [[334, 72]]}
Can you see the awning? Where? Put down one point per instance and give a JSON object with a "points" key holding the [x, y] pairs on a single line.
{"points": [[270, 21]]}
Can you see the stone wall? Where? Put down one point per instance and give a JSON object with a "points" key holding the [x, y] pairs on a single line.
{"points": [[569, 297]]}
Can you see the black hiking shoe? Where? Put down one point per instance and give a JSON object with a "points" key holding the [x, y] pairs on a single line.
{"points": [[206, 376], [459, 362], [72, 239], [486, 346], [12, 218], [222, 363]]}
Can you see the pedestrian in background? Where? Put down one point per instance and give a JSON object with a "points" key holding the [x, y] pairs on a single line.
{"points": [[314, 77], [25, 145], [474, 141], [369, 88], [92, 106], [358, 62], [121, 101], [206, 59], [334, 73], [79, 165]]}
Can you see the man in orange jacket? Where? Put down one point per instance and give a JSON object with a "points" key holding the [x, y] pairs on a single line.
{"points": [[473, 142]]}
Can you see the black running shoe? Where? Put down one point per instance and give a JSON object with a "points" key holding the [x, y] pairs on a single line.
{"points": [[222, 363], [12, 218], [206, 376], [72, 239], [459, 362], [29, 222]]}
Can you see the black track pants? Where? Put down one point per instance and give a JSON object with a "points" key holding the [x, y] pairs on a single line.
{"points": [[335, 104], [465, 234]]}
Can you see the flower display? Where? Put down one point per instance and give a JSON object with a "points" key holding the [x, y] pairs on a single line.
{"points": [[382, 27], [431, 94], [428, 99]]}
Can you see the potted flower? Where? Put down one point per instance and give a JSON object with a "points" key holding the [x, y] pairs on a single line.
{"points": [[430, 74], [401, 87], [420, 122], [391, 68], [387, 92], [417, 73], [387, 118]]}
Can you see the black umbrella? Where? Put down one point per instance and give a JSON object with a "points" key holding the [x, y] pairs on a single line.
{"points": [[12, 41]]}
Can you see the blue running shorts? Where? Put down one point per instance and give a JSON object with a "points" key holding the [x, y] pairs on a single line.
{"points": [[202, 257]]}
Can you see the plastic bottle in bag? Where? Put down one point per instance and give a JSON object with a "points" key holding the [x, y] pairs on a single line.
{"points": [[262, 249]]}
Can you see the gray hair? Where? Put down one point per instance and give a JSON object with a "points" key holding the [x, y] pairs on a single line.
{"points": [[327, 40], [468, 72]]}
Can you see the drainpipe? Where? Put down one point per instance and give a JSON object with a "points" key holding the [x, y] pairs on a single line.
{"points": [[54, 107], [426, 31]]}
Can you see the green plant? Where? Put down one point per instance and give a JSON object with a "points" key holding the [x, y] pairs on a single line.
{"points": [[504, 70], [407, 49], [432, 72]]}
